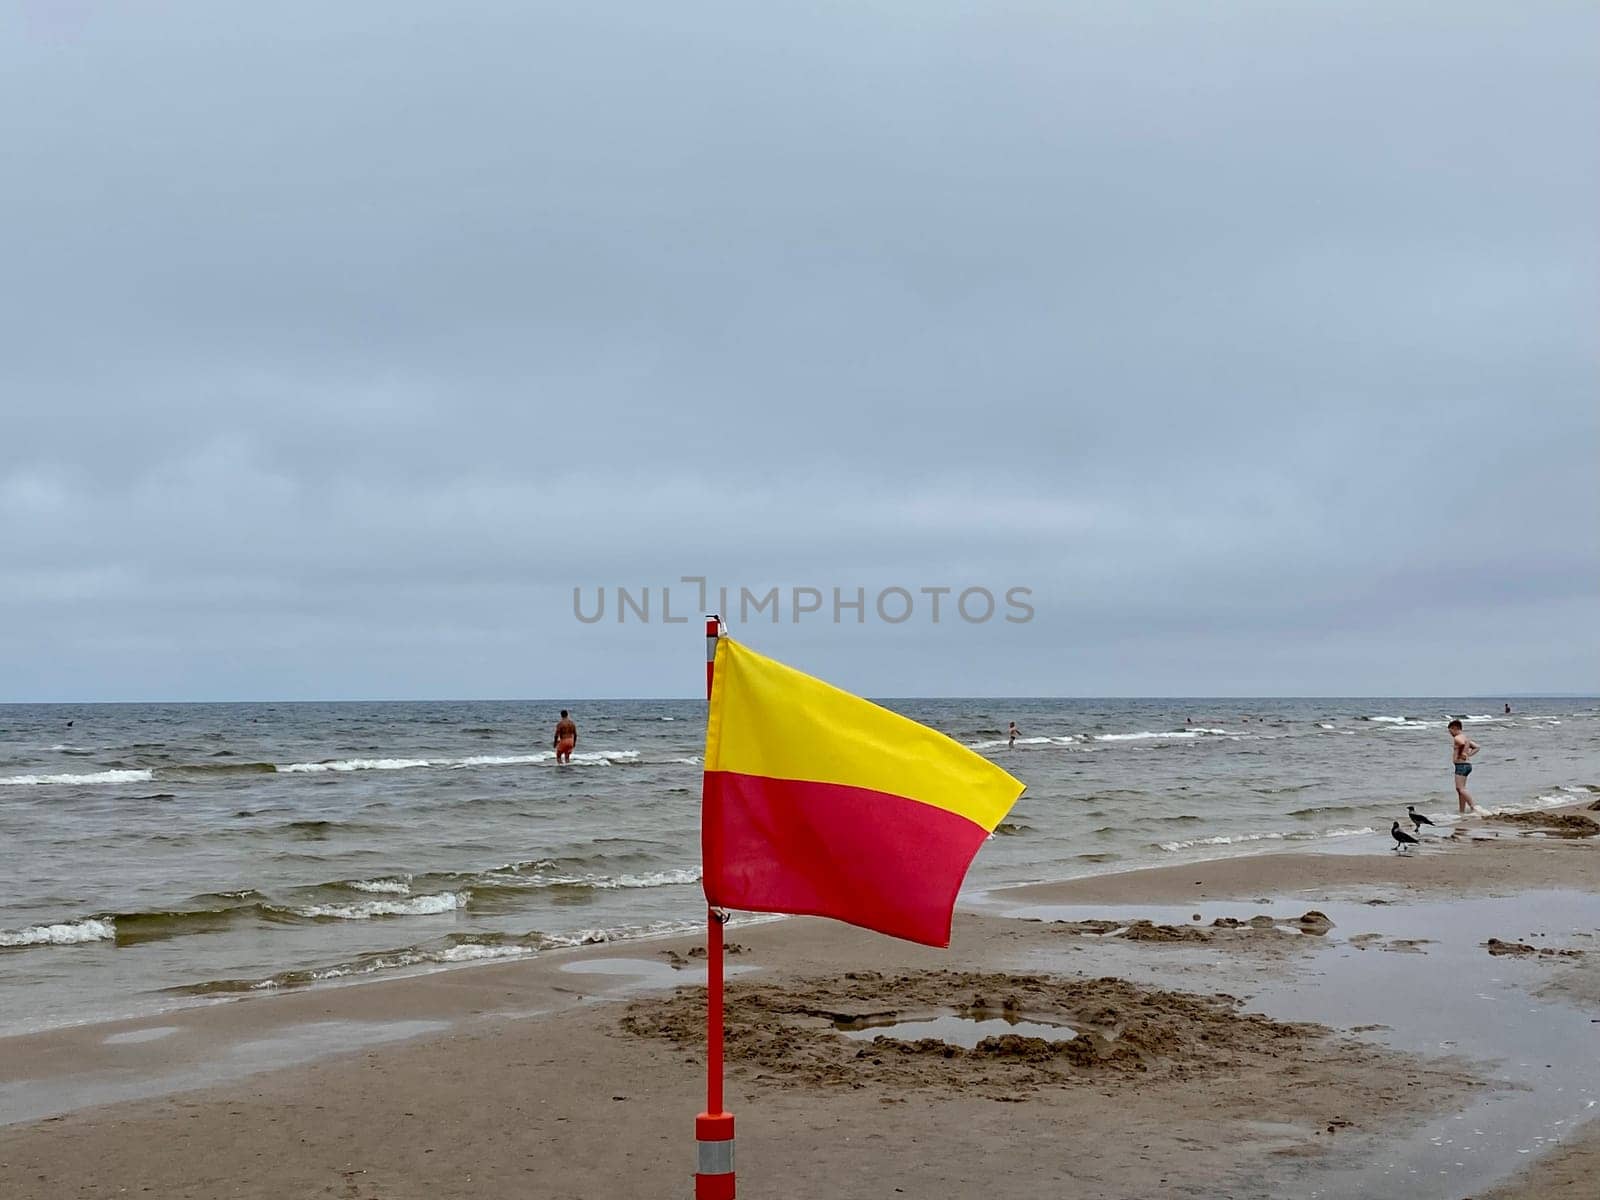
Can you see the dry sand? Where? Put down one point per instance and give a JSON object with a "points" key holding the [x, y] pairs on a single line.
{"points": [[578, 1075]]}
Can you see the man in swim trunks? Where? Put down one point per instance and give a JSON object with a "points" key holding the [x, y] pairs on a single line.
{"points": [[566, 738], [1011, 735], [1463, 748]]}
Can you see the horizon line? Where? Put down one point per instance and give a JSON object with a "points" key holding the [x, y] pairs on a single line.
{"points": [[1499, 697]]}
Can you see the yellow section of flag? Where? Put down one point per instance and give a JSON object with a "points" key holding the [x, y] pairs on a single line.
{"points": [[770, 720]]}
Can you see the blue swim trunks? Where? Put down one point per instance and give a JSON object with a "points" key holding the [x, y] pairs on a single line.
{"points": [[1463, 769]]}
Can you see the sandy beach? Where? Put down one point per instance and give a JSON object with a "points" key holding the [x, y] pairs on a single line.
{"points": [[1308, 1024]]}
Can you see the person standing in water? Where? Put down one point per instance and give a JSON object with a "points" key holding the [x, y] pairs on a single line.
{"points": [[566, 738], [1011, 736], [1462, 749]]}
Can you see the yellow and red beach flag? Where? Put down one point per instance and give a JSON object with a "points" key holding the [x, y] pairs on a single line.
{"points": [[821, 803]]}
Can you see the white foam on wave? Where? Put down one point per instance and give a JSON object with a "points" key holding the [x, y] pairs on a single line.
{"points": [[354, 764], [415, 906], [393, 887], [1146, 735], [1565, 798], [126, 776], [500, 760], [597, 758], [1221, 840], [653, 879], [1067, 739], [69, 933], [511, 878], [605, 758], [472, 952], [587, 757], [1271, 836], [592, 937]]}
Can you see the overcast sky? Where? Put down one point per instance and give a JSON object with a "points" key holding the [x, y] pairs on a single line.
{"points": [[340, 342]]}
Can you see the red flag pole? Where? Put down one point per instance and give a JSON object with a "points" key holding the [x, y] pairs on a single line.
{"points": [[713, 1129]]}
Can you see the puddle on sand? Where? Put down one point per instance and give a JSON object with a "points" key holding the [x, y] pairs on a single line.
{"points": [[287, 1046], [133, 1036], [1453, 998], [643, 974], [959, 1029]]}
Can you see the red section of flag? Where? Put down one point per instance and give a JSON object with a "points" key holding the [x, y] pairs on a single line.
{"points": [[871, 858]]}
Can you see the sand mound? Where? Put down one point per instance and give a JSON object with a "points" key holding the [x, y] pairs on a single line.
{"points": [[1259, 930], [1497, 948], [1564, 824], [792, 1034], [679, 961]]}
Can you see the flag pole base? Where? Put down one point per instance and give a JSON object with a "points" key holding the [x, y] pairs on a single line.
{"points": [[713, 1177]]}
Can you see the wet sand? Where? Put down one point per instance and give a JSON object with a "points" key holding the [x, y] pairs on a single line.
{"points": [[1092, 1038]]}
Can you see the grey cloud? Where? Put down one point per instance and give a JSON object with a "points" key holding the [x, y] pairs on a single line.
{"points": [[342, 343]]}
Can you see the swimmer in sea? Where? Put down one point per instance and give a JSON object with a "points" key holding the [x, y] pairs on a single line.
{"points": [[1463, 748], [566, 738]]}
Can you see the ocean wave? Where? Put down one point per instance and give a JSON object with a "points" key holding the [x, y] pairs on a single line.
{"points": [[679, 877], [211, 770], [1563, 798], [458, 954], [1146, 735], [523, 880], [1271, 836], [219, 911], [412, 906], [354, 764], [1324, 810], [454, 950], [393, 887], [994, 743], [587, 757], [197, 771], [70, 933], [124, 776], [1393, 722], [499, 760]]}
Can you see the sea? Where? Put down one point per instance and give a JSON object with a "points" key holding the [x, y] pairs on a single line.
{"points": [[159, 855]]}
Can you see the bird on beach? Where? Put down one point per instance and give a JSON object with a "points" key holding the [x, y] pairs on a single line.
{"points": [[1402, 839], [1417, 819]]}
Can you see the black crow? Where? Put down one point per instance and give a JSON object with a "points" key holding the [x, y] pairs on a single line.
{"points": [[1402, 839], [1417, 819]]}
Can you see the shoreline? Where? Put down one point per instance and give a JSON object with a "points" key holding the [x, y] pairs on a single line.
{"points": [[1234, 875], [1274, 855], [88, 1105]]}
